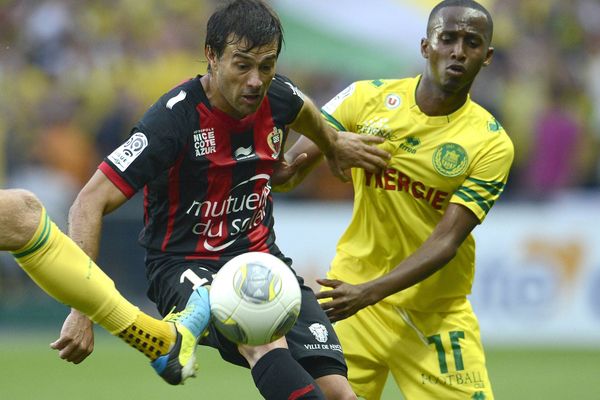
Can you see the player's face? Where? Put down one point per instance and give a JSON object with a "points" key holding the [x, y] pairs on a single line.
{"points": [[242, 77], [457, 47]]}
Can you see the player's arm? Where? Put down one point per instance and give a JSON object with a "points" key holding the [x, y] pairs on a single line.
{"points": [[441, 247], [97, 198], [342, 151], [297, 162]]}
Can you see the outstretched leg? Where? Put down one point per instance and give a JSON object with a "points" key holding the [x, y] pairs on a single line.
{"points": [[67, 274]]}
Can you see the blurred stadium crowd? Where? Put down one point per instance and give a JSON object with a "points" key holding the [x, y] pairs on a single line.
{"points": [[76, 74]]}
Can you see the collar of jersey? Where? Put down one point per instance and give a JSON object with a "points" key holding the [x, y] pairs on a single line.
{"points": [[234, 123], [429, 120], [228, 120]]}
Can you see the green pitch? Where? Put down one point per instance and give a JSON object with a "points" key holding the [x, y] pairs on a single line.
{"points": [[31, 370]]}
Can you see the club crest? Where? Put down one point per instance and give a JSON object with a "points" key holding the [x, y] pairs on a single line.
{"points": [[274, 141], [450, 160]]}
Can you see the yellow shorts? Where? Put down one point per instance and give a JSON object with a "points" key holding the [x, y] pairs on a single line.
{"points": [[430, 355]]}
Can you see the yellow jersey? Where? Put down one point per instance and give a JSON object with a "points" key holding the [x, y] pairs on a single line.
{"points": [[461, 158]]}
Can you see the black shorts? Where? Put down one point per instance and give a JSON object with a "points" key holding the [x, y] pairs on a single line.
{"points": [[312, 340]]}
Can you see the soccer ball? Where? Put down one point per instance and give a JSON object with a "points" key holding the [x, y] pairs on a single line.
{"points": [[254, 299]]}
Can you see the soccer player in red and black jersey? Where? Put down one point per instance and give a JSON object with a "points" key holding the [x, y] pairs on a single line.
{"points": [[204, 155]]}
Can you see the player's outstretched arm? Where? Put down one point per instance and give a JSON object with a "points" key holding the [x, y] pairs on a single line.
{"points": [[342, 151], [441, 247], [98, 197], [297, 162]]}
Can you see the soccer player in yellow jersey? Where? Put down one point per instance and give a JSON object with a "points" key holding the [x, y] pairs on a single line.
{"points": [[399, 282], [66, 273]]}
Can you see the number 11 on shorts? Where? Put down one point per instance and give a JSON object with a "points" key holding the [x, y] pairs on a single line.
{"points": [[455, 337]]}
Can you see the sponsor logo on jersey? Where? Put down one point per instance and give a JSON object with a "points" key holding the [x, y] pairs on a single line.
{"points": [[376, 126], [129, 151], [274, 141], [450, 159], [392, 101], [222, 222], [242, 153], [334, 103], [410, 143], [393, 180], [204, 142], [319, 332]]}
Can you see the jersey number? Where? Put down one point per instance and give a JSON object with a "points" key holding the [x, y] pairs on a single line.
{"points": [[193, 278], [455, 337]]}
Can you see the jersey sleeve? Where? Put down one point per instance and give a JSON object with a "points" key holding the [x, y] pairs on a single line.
{"points": [[154, 145], [286, 99], [340, 110], [487, 179]]}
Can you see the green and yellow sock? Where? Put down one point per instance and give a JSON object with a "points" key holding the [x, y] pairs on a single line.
{"points": [[67, 274]]}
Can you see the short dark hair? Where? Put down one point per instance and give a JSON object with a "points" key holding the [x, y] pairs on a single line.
{"points": [[462, 3], [250, 20]]}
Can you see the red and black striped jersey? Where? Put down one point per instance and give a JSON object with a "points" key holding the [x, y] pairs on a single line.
{"points": [[205, 175]]}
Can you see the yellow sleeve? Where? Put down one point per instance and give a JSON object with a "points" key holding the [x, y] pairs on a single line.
{"points": [[487, 179], [339, 112]]}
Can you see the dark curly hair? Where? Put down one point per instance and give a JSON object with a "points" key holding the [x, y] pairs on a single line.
{"points": [[252, 21]]}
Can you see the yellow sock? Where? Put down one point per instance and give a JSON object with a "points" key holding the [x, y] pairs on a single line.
{"points": [[67, 274], [150, 336]]}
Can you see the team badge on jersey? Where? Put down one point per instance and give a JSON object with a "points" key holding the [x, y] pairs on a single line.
{"points": [[129, 151], [450, 160], [392, 101], [274, 141]]}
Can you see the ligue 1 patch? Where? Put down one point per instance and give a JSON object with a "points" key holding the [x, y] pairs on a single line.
{"points": [[334, 103], [274, 141], [450, 159], [392, 101], [129, 151]]}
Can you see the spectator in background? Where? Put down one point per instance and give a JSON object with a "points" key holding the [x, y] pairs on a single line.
{"points": [[553, 164], [84, 50]]}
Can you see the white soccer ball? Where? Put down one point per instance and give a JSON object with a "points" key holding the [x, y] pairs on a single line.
{"points": [[254, 299]]}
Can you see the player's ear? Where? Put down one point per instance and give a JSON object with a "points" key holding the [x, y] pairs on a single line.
{"points": [[488, 57], [425, 47], [211, 56]]}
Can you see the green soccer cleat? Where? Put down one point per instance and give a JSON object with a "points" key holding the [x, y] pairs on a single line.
{"points": [[180, 362]]}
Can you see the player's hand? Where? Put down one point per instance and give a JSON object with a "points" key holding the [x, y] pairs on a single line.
{"points": [[284, 171], [346, 299], [76, 340], [359, 151]]}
